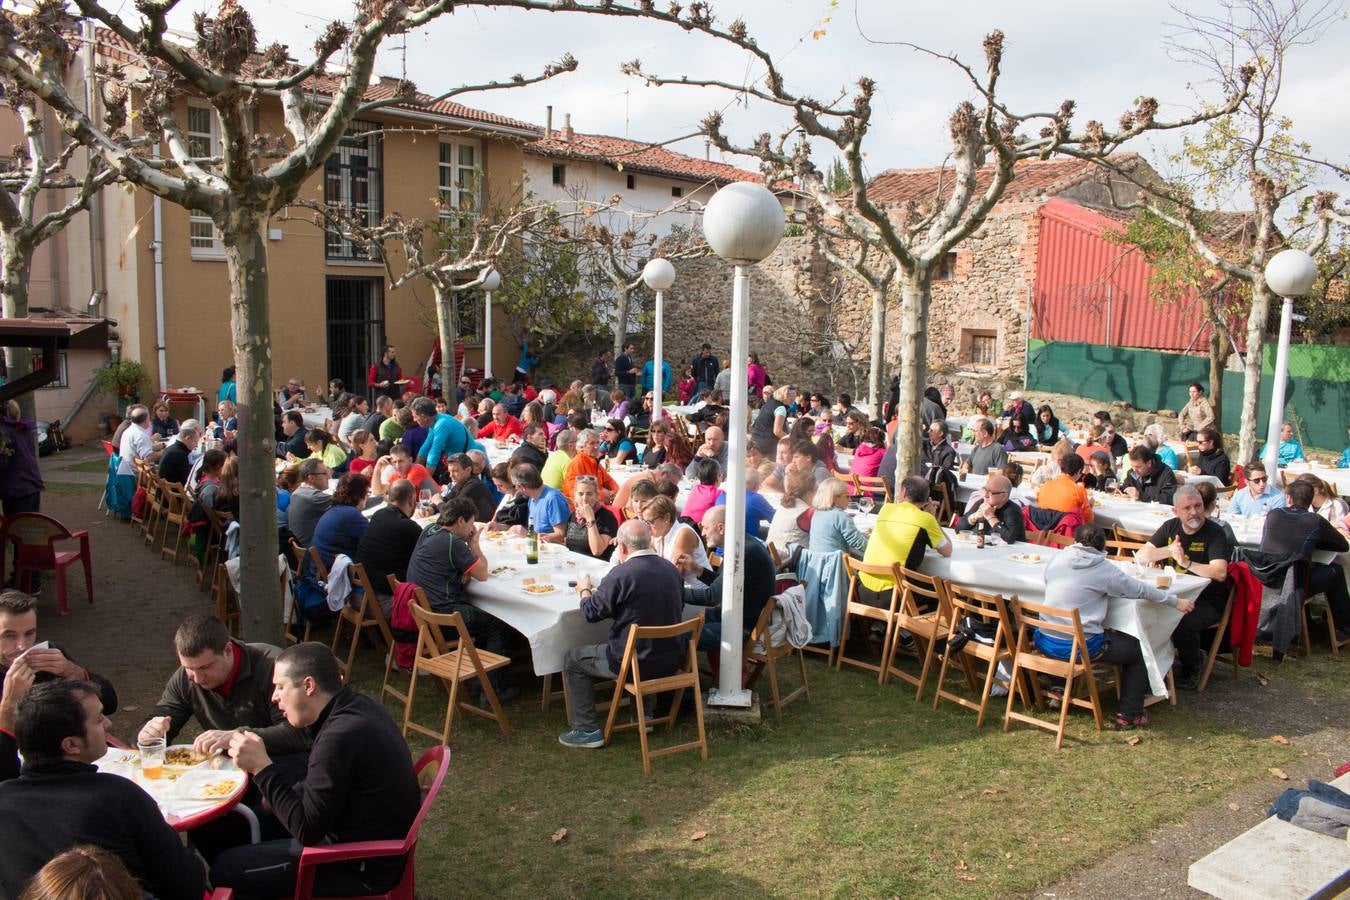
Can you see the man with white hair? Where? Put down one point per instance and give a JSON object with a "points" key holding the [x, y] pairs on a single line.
{"points": [[1156, 437], [1016, 405], [643, 589], [555, 467], [175, 464]]}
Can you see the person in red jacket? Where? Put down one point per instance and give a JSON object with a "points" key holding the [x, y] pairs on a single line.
{"points": [[503, 425], [385, 377]]}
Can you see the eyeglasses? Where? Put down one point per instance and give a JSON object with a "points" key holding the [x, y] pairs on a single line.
{"points": [[1254, 480]]}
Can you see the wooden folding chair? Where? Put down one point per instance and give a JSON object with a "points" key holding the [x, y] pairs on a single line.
{"points": [[852, 607], [1036, 537], [764, 654], [419, 599], [452, 665], [631, 682], [1220, 630], [215, 533], [1026, 658], [946, 509], [143, 472], [873, 485], [927, 628], [365, 615], [1122, 549], [289, 617], [226, 600], [154, 505], [1124, 534], [176, 506], [1056, 540], [991, 610], [1331, 626]]}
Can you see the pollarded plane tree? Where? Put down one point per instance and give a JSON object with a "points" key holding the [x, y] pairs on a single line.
{"points": [[988, 139], [249, 178]]}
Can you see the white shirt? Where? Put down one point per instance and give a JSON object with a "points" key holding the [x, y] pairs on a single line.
{"points": [[136, 444], [666, 547]]}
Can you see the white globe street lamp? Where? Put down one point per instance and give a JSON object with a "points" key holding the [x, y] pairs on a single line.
{"points": [[659, 275], [743, 223], [491, 281], [1290, 273]]}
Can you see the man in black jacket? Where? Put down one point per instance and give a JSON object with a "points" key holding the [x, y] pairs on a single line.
{"points": [[643, 589], [533, 447], [996, 513], [1149, 481], [61, 800], [759, 583], [1295, 530], [705, 369], [359, 785], [175, 463], [625, 372], [293, 431], [464, 482], [25, 663], [938, 452], [388, 542]]}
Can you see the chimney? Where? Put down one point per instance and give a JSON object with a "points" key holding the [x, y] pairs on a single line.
{"points": [[548, 122], [567, 127], [707, 150]]}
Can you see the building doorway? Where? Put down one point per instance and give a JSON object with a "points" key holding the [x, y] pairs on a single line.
{"points": [[355, 329]]}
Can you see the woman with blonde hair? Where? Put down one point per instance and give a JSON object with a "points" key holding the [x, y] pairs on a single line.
{"points": [[84, 872], [786, 530], [831, 527], [675, 541]]}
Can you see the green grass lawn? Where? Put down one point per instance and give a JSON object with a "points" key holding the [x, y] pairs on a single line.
{"points": [[98, 466], [860, 792]]}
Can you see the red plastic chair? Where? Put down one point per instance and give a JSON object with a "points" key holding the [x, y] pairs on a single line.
{"points": [[313, 857], [109, 449], [35, 537]]}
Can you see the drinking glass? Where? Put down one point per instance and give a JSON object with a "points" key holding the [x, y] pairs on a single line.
{"points": [[866, 504], [152, 757]]}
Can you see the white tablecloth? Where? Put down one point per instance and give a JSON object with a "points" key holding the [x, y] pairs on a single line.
{"points": [[316, 418], [552, 623], [991, 571], [1339, 479]]}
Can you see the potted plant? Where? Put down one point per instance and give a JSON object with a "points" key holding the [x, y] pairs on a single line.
{"points": [[123, 378]]}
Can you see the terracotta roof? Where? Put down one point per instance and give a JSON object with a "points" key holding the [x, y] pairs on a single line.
{"points": [[112, 45], [1031, 179], [638, 156]]}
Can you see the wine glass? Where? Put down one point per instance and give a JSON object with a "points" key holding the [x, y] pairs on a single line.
{"points": [[866, 503]]}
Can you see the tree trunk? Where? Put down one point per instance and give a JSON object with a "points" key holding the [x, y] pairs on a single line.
{"points": [[445, 325], [1218, 356], [621, 320], [878, 350], [915, 298], [15, 268], [246, 258], [1251, 385]]}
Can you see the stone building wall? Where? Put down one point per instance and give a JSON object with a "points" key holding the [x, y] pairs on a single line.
{"points": [[810, 323]]}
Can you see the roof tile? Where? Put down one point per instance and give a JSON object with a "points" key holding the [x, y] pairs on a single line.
{"points": [[639, 156]]}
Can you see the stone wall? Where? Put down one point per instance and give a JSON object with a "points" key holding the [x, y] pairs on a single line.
{"points": [[810, 323]]}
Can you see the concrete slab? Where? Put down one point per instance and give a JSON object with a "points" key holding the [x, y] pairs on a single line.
{"points": [[734, 715], [1276, 860]]}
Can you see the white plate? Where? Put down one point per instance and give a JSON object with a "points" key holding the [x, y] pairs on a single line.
{"points": [[194, 785], [1026, 559]]}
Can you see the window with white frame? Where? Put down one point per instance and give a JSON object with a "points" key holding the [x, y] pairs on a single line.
{"points": [[203, 139], [460, 173], [352, 183]]}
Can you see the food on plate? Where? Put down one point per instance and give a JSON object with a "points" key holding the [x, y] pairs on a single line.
{"points": [[1025, 557], [504, 570], [497, 536], [215, 789], [540, 588], [527, 581], [182, 756]]}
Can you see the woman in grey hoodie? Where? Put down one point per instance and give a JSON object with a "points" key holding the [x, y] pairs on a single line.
{"points": [[1081, 577]]}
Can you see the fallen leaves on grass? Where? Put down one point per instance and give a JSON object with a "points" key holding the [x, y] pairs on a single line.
{"points": [[1234, 807], [961, 866], [1279, 773], [1133, 740], [966, 878], [990, 792], [1262, 679], [558, 836], [698, 835], [1282, 740]]}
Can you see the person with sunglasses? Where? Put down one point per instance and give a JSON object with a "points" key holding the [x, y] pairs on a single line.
{"points": [[1259, 498]]}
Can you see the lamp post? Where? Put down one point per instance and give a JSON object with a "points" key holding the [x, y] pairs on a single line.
{"points": [[1290, 273], [742, 223], [491, 281], [659, 275]]}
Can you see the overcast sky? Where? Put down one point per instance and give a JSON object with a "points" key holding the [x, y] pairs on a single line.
{"points": [[1103, 55]]}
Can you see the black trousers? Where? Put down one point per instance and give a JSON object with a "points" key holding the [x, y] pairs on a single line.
{"points": [[269, 870], [1123, 650], [1188, 637], [1329, 579]]}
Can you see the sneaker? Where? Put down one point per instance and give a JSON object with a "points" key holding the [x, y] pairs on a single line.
{"points": [[906, 640], [1130, 723], [1189, 681], [582, 740]]}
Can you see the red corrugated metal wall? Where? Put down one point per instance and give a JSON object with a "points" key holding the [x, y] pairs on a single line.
{"points": [[1091, 290]]}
